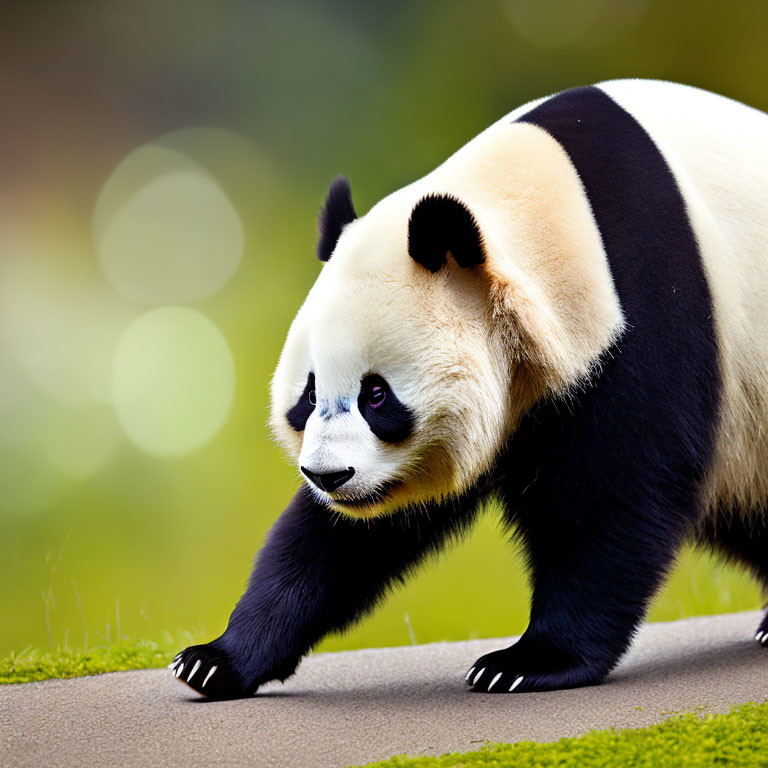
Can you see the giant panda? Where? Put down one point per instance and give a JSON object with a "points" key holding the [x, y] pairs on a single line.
{"points": [[569, 316]]}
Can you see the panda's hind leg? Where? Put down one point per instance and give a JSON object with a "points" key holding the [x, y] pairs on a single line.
{"points": [[741, 539]]}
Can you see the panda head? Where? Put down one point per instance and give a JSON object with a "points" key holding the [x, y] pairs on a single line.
{"points": [[393, 387], [402, 376]]}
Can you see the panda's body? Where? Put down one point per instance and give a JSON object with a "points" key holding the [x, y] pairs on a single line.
{"points": [[567, 315]]}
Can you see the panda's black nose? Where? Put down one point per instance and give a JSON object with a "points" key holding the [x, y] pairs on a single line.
{"points": [[329, 481]]}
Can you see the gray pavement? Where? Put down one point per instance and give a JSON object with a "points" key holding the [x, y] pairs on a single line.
{"points": [[344, 709]]}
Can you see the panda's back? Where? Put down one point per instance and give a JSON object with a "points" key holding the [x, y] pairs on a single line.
{"points": [[717, 152]]}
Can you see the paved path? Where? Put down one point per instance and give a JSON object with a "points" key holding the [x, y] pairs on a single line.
{"points": [[345, 709]]}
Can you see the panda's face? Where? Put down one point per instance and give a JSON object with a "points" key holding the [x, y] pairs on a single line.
{"points": [[355, 439], [392, 388]]}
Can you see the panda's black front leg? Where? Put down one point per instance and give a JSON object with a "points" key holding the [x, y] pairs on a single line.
{"points": [[594, 572], [318, 572]]}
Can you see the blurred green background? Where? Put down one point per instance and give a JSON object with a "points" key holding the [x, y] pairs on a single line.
{"points": [[161, 167]]}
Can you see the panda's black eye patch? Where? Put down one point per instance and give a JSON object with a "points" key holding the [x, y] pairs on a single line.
{"points": [[298, 415], [389, 419]]}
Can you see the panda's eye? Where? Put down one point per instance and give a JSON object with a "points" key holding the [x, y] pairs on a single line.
{"points": [[389, 419], [377, 396], [312, 397]]}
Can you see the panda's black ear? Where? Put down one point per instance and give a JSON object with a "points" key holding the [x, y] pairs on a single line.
{"points": [[442, 224], [336, 213]]}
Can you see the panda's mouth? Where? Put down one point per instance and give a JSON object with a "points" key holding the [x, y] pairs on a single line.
{"points": [[368, 500]]}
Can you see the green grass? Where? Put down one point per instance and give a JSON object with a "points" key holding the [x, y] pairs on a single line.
{"points": [[29, 665], [739, 738]]}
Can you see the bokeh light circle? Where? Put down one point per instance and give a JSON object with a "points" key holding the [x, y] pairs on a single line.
{"points": [[58, 322], [165, 230], [173, 381]]}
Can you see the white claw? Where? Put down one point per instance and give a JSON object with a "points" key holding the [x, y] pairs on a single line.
{"points": [[494, 681], [516, 683], [469, 674], [758, 636], [765, 637], [478, 675], [179, 670], [209, 676], [194, 669], [172, 665], [177, 656]]}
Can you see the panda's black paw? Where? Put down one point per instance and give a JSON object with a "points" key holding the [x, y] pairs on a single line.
{"points": [[522, 668], [762, 633], [208, 670]]}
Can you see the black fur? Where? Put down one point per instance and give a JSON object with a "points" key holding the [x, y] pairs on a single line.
{"points": [[336, 213], [298, 415], [601, 489], [392, 421], [743, 540], [316, 574], [441, 224]]}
